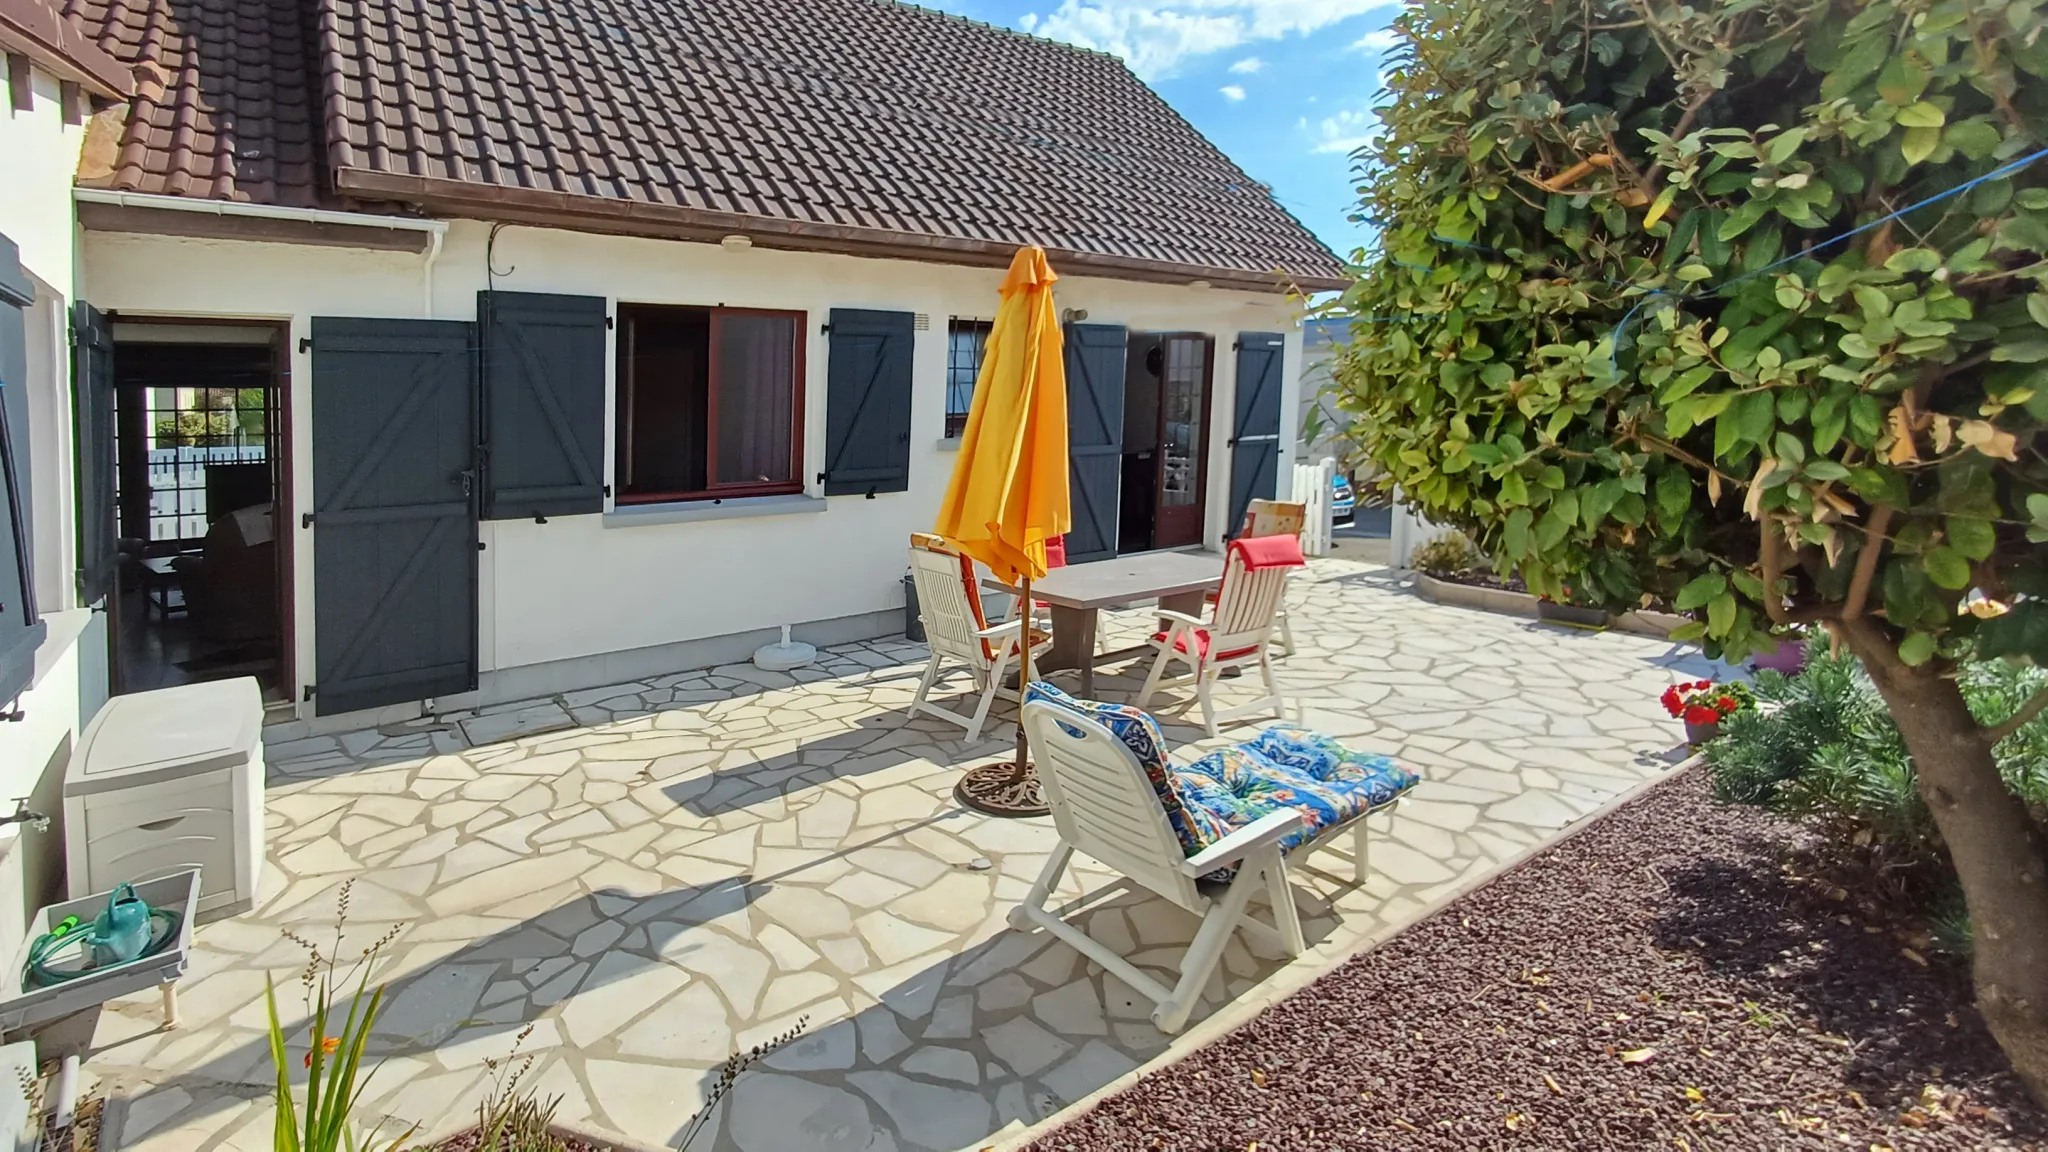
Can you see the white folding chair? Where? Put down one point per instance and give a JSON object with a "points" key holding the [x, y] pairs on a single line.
{"points": [[1277, 518], [1240, 633], [949, 604], [1104, 806]]}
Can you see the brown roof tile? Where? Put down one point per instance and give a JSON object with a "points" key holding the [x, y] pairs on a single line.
{"points": [[856, 125]]}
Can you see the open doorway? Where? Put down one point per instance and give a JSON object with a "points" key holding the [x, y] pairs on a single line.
{"points": [[201, 477], [1167, 390]]}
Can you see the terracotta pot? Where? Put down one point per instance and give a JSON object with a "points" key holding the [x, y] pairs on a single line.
{"points": [[1698, 734], [1570, 614]]}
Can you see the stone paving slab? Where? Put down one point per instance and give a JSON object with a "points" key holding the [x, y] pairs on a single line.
{"points": [[709, 859]]}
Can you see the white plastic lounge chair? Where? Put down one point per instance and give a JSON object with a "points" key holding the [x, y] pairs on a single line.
{"points": [[949, 604], [1239, 633], [1205, 837]]}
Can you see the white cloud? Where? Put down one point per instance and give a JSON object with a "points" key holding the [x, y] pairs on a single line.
{"points": [[1347, 131], [1248, 65], [1153, 38], [1376, 41], [1232, 92]]}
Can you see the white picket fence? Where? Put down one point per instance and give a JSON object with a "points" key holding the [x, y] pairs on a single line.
{"points": [[1313, 486]]}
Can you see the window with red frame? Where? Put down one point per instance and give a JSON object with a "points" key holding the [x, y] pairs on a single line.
{"points": [[711, 403]]}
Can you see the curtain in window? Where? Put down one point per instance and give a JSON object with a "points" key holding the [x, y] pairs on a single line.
{"points": [[756, 398]]}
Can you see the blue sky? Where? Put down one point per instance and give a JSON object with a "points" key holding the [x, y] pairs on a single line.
{"points": [[1285, 87]]}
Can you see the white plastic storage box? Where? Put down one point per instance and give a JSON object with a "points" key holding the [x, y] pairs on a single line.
{"points": [[168, 780]]}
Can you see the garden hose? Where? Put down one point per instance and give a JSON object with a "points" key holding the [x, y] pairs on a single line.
{"points": [[124, 933]]}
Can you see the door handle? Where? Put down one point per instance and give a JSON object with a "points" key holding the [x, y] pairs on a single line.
{"points": [[468, 478], [159, 825]]}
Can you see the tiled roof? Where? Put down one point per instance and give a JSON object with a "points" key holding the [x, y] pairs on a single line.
{"points": [[857, 125], [222, 109]]}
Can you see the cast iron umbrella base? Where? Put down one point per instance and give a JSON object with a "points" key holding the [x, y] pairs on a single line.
{"points": [[1001, 789]]}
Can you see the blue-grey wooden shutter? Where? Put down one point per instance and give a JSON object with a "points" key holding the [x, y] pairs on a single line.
{"points": [[543, 404], [394, 511], [1255, 438], [867, 402], [21, 632], [92, 424], [1095, 436]]}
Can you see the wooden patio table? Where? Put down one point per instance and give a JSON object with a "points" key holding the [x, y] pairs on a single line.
{"points": [[1078, 593]]}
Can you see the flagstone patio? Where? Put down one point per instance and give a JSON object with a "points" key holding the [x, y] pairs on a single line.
{"points": [[661, 871]]}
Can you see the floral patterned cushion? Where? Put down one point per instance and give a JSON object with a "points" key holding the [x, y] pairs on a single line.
{"points": [[1291, 767], [1197, 827], [1283, 766]]}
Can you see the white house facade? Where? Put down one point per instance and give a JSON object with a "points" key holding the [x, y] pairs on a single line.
{"points": [[595, 584]]}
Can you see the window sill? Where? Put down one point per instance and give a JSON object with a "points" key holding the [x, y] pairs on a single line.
{"points": [[949, 444], [694, 511]]}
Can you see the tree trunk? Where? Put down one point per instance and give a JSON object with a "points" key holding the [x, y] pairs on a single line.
{"points": [[1999, 853]]}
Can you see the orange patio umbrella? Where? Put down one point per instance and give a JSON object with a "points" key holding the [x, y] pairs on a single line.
{"points": [[1008, 495]]}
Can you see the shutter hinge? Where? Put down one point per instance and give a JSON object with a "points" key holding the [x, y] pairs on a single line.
{"points": [[607, 323], [821, 477], [308, 693], [607, 490], [479, 545], [305, 343], [871, 494], [824, 328], [71, 335], [305, 519]]}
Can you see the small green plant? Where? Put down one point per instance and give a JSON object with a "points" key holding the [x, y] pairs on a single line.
{"points": [[1447, 554], [512, 1120], [334, 1073]]}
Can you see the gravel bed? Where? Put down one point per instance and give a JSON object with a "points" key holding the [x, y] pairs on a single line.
{"points": [[1669, 978]]}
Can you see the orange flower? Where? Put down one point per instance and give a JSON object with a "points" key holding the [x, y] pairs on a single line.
{"points": [[327, 1046]]}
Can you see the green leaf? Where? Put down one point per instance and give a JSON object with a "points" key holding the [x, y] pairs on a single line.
{"points": [[1694, 273], [1976, 139], [1700, 590], [1916, 649], [2037, 307], [1758, 414], [1975, 539], [1689, 631], [1919, 143], [1674, 494], [1513, 489], [1947, 567], [1913, 260], [1920, 115], [1721, 614], [1514, 537], [2037, 508]]}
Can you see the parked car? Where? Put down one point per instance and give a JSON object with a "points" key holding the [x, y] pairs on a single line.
{"points": [[1343, 501]]}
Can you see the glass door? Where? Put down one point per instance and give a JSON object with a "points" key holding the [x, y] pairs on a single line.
{"points": [[1183, 441]]}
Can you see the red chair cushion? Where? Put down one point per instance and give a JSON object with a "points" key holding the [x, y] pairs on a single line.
{"points": [[1180, 644]]}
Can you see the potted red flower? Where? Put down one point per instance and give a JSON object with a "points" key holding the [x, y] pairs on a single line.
{"points": [[1703, 704]]}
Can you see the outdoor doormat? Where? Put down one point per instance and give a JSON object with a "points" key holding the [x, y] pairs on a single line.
{"points": [[1673, 977], [1000, 789]]}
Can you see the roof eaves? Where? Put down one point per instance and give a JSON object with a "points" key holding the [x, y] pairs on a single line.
{"points": [[33, 28], [545, 208]]}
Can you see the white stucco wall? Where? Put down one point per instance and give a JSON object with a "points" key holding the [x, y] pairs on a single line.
{"points": [[40, 152], [38, 155], [580, 585]]}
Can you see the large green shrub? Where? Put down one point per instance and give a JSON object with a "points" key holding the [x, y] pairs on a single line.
{"points": [[1743, 306]]}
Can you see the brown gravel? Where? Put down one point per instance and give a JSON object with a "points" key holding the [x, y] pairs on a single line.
{"points": [[1663, 980]]}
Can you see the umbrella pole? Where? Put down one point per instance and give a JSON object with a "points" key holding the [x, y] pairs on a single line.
{"points": [[1023, 675]]}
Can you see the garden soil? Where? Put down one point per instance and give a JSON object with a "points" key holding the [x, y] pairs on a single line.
{"points": [[1671, 978]]}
